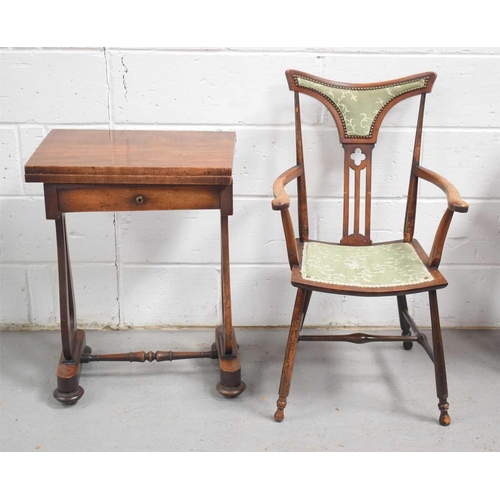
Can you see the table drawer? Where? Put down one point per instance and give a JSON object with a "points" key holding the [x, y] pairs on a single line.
{"points": [[96, 198]]}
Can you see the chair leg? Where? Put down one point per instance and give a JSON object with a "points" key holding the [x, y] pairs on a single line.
{"points": [[439, 364], [291, 349], [405, 327]]}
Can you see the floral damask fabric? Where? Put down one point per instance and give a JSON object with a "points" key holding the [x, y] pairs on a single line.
{"points": [[360, 107], [391, 264]]}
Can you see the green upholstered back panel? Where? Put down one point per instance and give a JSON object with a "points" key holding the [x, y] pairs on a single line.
{"points": [[359, 107]]}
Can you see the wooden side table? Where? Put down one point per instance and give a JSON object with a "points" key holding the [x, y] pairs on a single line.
{"points": [[98, 170]]}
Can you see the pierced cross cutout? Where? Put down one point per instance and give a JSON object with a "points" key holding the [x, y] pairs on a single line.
{"points": [[358, 156]]}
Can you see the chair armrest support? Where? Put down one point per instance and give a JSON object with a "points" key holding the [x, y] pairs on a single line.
{"points": [[281, 198], [455, 202], [439, 239], [281, 202], [291, 243]]}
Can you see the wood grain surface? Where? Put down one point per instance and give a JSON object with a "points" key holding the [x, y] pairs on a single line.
{"points": [[89, 155]]}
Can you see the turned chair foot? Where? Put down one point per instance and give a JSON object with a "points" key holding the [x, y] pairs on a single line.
{"points": [[69, 398], [279, 416], [444, 418]]}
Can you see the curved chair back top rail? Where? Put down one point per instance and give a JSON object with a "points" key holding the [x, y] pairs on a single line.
{"points": [[359, 108]]}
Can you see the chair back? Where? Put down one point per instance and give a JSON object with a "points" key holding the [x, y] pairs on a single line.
{"points": [[358, 110]]}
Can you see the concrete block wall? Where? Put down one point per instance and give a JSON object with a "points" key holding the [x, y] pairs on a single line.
{"points": [[162, 268]]}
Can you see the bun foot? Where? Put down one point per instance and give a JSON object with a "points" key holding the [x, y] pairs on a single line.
{"points": [[69, 398], [231, 392]]}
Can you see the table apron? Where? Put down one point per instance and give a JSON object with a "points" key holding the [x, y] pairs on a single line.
{"points": [[116, 198]]}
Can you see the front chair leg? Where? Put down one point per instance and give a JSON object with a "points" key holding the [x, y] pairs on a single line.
{"points": [[291, 349], [439, 364]]}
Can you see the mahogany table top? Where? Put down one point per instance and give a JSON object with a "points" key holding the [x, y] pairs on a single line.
{"points": [[133, 156]]}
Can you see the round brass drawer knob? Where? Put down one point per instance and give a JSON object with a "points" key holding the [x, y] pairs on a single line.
{"points": [[139, 199]]}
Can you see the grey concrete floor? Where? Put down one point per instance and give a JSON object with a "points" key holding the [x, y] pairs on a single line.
{"points": [[344, 397]]}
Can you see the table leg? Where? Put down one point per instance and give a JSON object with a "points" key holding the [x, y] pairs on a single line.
{"points": [[73, 341], [230, 384]]}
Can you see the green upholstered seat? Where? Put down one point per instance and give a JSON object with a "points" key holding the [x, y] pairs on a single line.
{"points": [[390, 264]]}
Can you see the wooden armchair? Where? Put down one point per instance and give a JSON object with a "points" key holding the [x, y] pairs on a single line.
{"points": [[355, 266]]}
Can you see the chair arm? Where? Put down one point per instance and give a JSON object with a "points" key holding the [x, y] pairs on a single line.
{"points": [[455, 202], [281, 198]]}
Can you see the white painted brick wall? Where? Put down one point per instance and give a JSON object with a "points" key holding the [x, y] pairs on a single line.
{"points": [[161, 268]]}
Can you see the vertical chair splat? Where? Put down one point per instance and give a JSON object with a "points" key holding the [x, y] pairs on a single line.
{"points": [[365, 165]]}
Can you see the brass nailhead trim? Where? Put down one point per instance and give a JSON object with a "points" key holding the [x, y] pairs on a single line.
{"points": [[296, 77]]}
